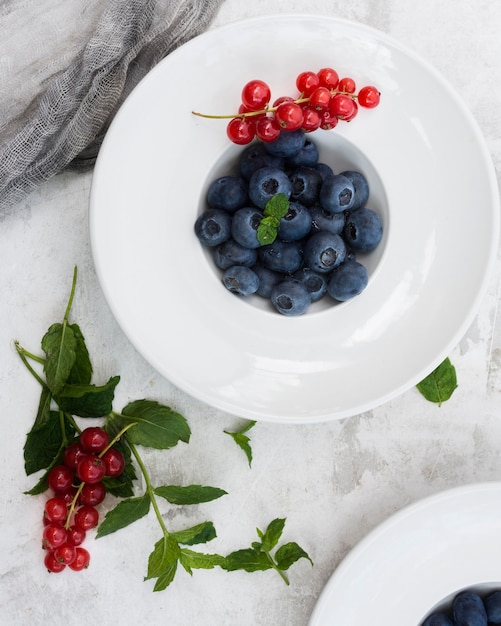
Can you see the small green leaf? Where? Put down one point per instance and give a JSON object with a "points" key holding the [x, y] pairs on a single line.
{"points": [[189, 494], [247, 559], [126, 512], [242, 440], [277, 206], [440, 384], [44, 443], [288, 554], [43, 413], [275, 209], [272, 534], [267, 230], [88, 400], [157, 426], [166, 578], [201, 533], [81, 372], [197, 560], [164, 556], [59, 345]]}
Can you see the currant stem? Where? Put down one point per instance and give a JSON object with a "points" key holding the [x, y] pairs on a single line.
{"points": [[116, 438], [73, 505]]}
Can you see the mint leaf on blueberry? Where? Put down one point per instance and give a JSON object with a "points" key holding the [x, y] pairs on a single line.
{"points": [[274, 210]]}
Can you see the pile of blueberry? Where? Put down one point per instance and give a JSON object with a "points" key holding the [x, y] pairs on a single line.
{"points": [[325, 225], [469, 609]]}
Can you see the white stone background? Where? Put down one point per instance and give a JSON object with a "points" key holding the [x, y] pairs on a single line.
{"points": [[334, 482]]}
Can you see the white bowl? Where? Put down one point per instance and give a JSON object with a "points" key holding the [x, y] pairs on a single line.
{"points": [[432, 180]]}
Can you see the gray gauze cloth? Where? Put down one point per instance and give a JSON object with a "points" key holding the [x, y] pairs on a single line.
{"points": [[66, 66]]}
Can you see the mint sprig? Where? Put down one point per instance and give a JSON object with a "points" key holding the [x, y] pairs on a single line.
{"points": [[242, 440], [440, 384], [274, 210]]}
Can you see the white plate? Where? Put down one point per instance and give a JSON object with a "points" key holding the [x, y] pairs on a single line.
{"points": [[419, 556], [433, 182]]}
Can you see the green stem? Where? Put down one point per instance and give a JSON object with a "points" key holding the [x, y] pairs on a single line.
{"points": [[149, 487], [72, 294], [117, 436], [24, 355], [277, 569]]}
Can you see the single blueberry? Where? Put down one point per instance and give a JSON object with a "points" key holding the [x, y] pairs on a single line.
{"points": [[241, 280], [267, 280], [254, 157], [325, 220], [315, 283], [213, 227], [244, 226], [363, 229], [337, 193], [265, 183], [306, 183], [468, 609], [324, 170], [295, 224], [493, 607], [324, 251], [438, 619], [347, 281], [307, 156], [290, 297], [361, 187], [228, 193], [281, 256], [288, 143], [232, 253]]}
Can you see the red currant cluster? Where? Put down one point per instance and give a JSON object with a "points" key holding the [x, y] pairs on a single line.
{"points": [[77, 486], [324, 100]]}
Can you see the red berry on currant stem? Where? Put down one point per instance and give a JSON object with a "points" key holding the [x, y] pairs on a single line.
{"points": [[55, 510], [369, 97], [240, 131], [114, 461], [289, 116], [86, 517], [92, 494], [91, 469], [52, 564], [94, 439], [76, 535], [65, 553], [307, 82], [256, 95], [82, 559], [53, 536], [60, 478]]}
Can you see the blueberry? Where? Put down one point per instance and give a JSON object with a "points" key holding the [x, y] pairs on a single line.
{"points": [[228, 193], [324, 251], [493, 607], [325, 220], [213, 227], [363, 229], [241, 280], [232, 253], [307, 156], [468, 609], [290, 297], [315, 283], [254, 157], [324, 170], [347, 281], [361, 186], [295, 224], [306, 183], [438, 619], [281, 256], [337, 193], [288, 143], [267, 280], [244, 226], [266, 182]]}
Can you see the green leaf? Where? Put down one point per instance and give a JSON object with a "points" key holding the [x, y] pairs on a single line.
{"points": [[267, 230], [288, 554], [125, 513], [43, 413], [197, 560], [189, 494], [275, 209], [81, 372], [88, 400], [41, 486], [201, 533], [440, 384], [166, 578], [164, 556], [242, 440], [59, 345], [277, 206], [157, 426], [272, 534], [247, 559], [44, 443]]}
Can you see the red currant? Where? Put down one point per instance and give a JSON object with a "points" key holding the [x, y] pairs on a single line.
{"points": [[307, 82], [69, 495], [320, 98], [55, 510], [73, 454], [91, 469], [369, 97], [267, 129], [347, 85], [81, 561], [92, 494], [328, 120], [311, 119], [65, 554], [328, 77], [76, 535], [240, 131], [342, 105], [52, 564], [282, 99], [113, 459], [256, 95], [60, 478], [94, 439], [86, 517], [289, 115], [53, 536]]}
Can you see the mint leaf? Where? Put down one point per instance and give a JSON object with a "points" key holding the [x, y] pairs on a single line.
{"points": [[277, 206], [267, 230], [59, 345], [88, 400], [166, 578], [163, 558], [81, 372], [44, 444], [126, 512], [43, 413], [157, 426], [189, 494], [440, 384], [197, 560], [275, 209], [272, 534], [288, 554], [242, 440], [247, 559], [201, 533]]}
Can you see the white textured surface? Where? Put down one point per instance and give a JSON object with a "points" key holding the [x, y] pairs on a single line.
{"points": [[334, 482]]}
